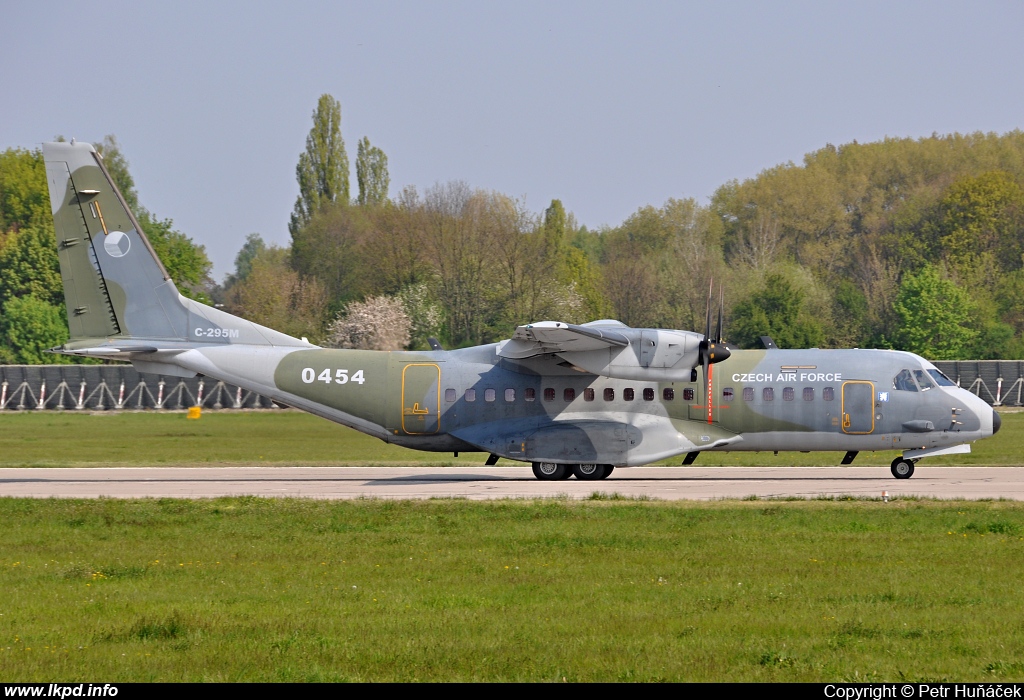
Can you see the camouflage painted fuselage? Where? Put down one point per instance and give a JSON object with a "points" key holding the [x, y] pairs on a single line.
{"points": [[540, 410]]}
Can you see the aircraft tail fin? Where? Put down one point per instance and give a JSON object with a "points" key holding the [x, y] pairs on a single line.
{"points": [[115, 287], [114, 283]]}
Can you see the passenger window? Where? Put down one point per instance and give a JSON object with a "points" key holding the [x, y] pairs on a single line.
{"points": [[648, 394], [530, 394], [748, 393], [923, 380], [828, 394], [488, 394], [788, 393], [904, 381], [449, 395], [470, 395], [549, 394], [668, 394], [609, 394], [768, 394], [588, 394], [627, 394], [687, 394], [727, 394], [510, 395], [569, 394], [808, 393]]}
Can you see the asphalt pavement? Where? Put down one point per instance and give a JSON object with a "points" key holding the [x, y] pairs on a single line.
{"points": [[667, 483]]}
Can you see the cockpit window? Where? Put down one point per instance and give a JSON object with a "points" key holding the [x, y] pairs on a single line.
{"points": [[940, 378], [923, 380], [904, 381]]}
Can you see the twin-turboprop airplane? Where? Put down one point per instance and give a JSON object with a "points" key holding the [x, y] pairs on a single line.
{"points": [[572, 400]]}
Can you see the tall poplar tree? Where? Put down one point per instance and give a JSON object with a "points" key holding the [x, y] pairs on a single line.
{"points": [[322, 171], [371, 173]]}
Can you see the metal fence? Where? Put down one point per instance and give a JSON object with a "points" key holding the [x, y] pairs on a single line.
{"points": [[114, 387], [121, 387], [999, 382]]}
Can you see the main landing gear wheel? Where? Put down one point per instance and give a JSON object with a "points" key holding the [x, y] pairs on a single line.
{"points": [[592, 472], [902, 468], [549, 471], [588, 472]]}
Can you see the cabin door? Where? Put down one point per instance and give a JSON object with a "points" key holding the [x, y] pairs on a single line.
{"points": [[858, 408], [421, 399]]}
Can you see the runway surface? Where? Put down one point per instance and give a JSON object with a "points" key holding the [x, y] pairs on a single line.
{"points": [[667, 483]]}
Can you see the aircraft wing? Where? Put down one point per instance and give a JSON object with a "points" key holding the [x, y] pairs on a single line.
{"points": [[548, 337]]}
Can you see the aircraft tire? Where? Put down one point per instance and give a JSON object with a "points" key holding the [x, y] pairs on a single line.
{"points": [[608, 469], [549, 471], [902, 468], [588, 472]]}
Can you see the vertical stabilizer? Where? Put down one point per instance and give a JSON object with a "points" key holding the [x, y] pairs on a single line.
{"points": [[104, 254], [115, 287]]}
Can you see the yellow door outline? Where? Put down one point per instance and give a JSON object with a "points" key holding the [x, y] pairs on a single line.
{"points": [[846, 416], [418, 410]]}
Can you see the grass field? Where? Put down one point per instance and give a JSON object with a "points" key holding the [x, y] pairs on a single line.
{"points": [[50, 438], [281, 590], [285, 590]]}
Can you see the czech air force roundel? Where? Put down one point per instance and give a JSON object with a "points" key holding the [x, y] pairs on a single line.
{"points": [[117, 243]]}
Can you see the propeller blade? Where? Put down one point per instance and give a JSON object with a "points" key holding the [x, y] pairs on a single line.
{"points": [[707, 328], [721, 306]]}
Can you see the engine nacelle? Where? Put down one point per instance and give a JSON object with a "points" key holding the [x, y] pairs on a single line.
{"points": [[652, 355]]}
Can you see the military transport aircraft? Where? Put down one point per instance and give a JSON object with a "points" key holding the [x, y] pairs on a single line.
{"points": [[571, 399]]}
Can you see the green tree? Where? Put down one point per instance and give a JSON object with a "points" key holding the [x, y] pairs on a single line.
{"points": [[776, 310], [275, 296], [555, 232], [323, 170], [457, 223], [185, 261], [29, 266], [850, 313], [24, 198], [583, 279], [252, 247], [983, 214], [30, 326], [328, 249], [371, 173], [935, 317]]}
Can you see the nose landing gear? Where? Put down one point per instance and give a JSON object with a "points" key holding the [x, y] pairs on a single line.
{"points": [[902, 468]]}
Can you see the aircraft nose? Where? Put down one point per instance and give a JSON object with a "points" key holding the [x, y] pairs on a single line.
{"points": [[997, 422]]}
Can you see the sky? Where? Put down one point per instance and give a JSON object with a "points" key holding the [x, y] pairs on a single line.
{"points": [[607, 106]]}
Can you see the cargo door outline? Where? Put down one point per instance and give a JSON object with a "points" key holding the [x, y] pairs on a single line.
{"points": [[421, 398], [858, 409]]}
